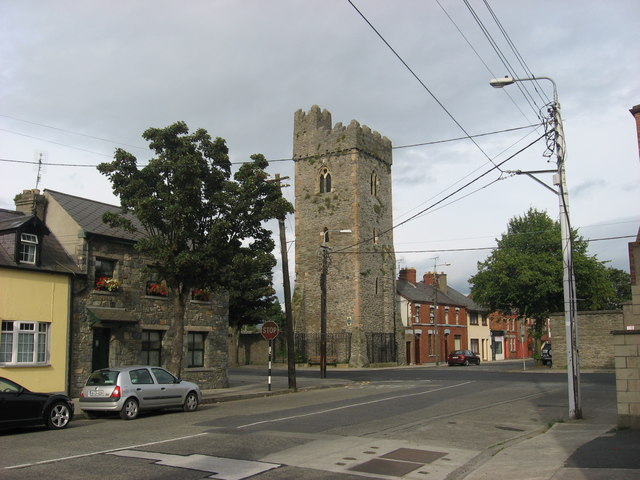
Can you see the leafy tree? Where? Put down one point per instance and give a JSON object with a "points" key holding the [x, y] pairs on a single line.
{"points": [[621, 282], [251, 294], [195, 217], [523, 275]]}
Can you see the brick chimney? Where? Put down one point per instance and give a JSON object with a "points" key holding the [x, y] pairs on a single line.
{"points": [[427, 279], [31, 202], [635, 111], [408, 274]]}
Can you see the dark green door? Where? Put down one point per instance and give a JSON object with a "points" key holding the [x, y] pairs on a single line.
{"points": [[100, 357]]}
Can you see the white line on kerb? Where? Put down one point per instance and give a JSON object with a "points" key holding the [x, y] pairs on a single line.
{"points": [[320, 412], [61, 459]]}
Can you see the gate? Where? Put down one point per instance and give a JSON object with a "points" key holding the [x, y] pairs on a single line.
{"points": [[381, 347]]}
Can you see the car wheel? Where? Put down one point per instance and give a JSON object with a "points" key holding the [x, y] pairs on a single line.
{"points": [[478, 362], [129, 409], [466, 363], [59, 416], [190, 403]]}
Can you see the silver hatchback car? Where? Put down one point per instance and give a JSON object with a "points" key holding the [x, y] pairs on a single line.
{"points": [[128, 390]]}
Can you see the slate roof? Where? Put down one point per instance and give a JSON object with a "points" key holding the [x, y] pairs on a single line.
{"points": [[423, 293], [88, 214], [53, 257], [11, 220]]}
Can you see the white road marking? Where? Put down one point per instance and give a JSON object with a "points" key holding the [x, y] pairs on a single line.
{"points": [[353, 405], [82, 455], [219, 468]]}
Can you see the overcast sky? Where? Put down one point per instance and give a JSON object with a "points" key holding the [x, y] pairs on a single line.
{"points": [[78, 79]]}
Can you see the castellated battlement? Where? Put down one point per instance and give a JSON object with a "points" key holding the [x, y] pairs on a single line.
{"points": [[313, 135]]}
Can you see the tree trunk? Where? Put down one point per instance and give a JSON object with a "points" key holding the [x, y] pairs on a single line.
{"points": [[234, 360], [176, 331]]}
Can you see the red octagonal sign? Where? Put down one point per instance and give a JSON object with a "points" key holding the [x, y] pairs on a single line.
{"points": [[269, 330]]}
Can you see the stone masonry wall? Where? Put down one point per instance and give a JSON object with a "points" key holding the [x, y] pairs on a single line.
{"points": [[148, 313], [595, 344], [360, 281], [627, 358], [627, 342]]}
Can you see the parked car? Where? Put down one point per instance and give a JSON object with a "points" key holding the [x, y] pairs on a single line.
{"points": [[20, 406], [128, 390], [545, 355], [463, 357]]}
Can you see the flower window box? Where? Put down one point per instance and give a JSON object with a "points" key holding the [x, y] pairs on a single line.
{"points": [[200, 295], [157, 289], [106, 284]]}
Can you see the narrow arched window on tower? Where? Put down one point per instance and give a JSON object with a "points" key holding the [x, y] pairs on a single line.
{"points": [[325, 181], [374, 184]]}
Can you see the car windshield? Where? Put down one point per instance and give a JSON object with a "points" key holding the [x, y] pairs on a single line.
{"points": [[103, 377]]}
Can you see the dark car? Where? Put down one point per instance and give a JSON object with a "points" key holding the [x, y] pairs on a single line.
{"points": [[20, 406], [463, 357], [545, 355]]}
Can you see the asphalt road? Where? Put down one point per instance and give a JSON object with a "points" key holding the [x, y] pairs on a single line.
{"points": [[411, 423]]}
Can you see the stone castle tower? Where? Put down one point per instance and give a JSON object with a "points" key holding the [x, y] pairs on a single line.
{"points": [[343, 202]]}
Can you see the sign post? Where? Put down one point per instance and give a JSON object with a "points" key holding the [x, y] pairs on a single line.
{"points": [[269, 332]]}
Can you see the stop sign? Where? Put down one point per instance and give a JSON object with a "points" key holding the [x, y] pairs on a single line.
{"points": [[269, 330]]}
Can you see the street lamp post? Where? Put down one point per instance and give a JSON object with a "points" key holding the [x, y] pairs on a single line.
{"points": [[413, 351], [323, 301], [573, 368], [435, 308]]}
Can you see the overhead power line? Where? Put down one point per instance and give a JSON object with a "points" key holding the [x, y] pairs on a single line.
{"points": [[72, 132], [433, 142], [493, 75], [421, 83], [445, 250], [435, 204]]}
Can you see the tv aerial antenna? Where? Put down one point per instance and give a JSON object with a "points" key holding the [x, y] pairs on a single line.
{"points": [[41, 156]]}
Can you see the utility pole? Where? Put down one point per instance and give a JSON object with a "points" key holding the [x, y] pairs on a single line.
{"points": [[435, 312], [568, 277], [291, 353], [435, 306], [323, 311], [569, 281], [324, 248]]}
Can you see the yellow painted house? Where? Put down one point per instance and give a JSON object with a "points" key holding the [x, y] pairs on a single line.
{"points": [[36, 277]]}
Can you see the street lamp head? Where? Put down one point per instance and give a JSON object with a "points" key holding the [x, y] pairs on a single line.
{"points": [[501, 82], [348, 230]]}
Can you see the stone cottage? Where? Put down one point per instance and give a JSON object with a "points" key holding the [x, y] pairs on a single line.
{"points": [[121, 308]]}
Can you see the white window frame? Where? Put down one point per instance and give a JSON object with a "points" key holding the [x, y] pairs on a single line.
{"points": [[24, 343], [28, 248]]}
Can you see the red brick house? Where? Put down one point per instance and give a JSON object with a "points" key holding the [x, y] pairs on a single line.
{"points": [[510, 337], [435, 317]]}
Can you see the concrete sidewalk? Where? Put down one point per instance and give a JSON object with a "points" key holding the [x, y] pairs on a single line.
{"points": [[574, 450]]}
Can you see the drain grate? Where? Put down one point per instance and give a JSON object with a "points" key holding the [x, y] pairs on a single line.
{"points": [[413, 455], [392, 468], [398, 462]]}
